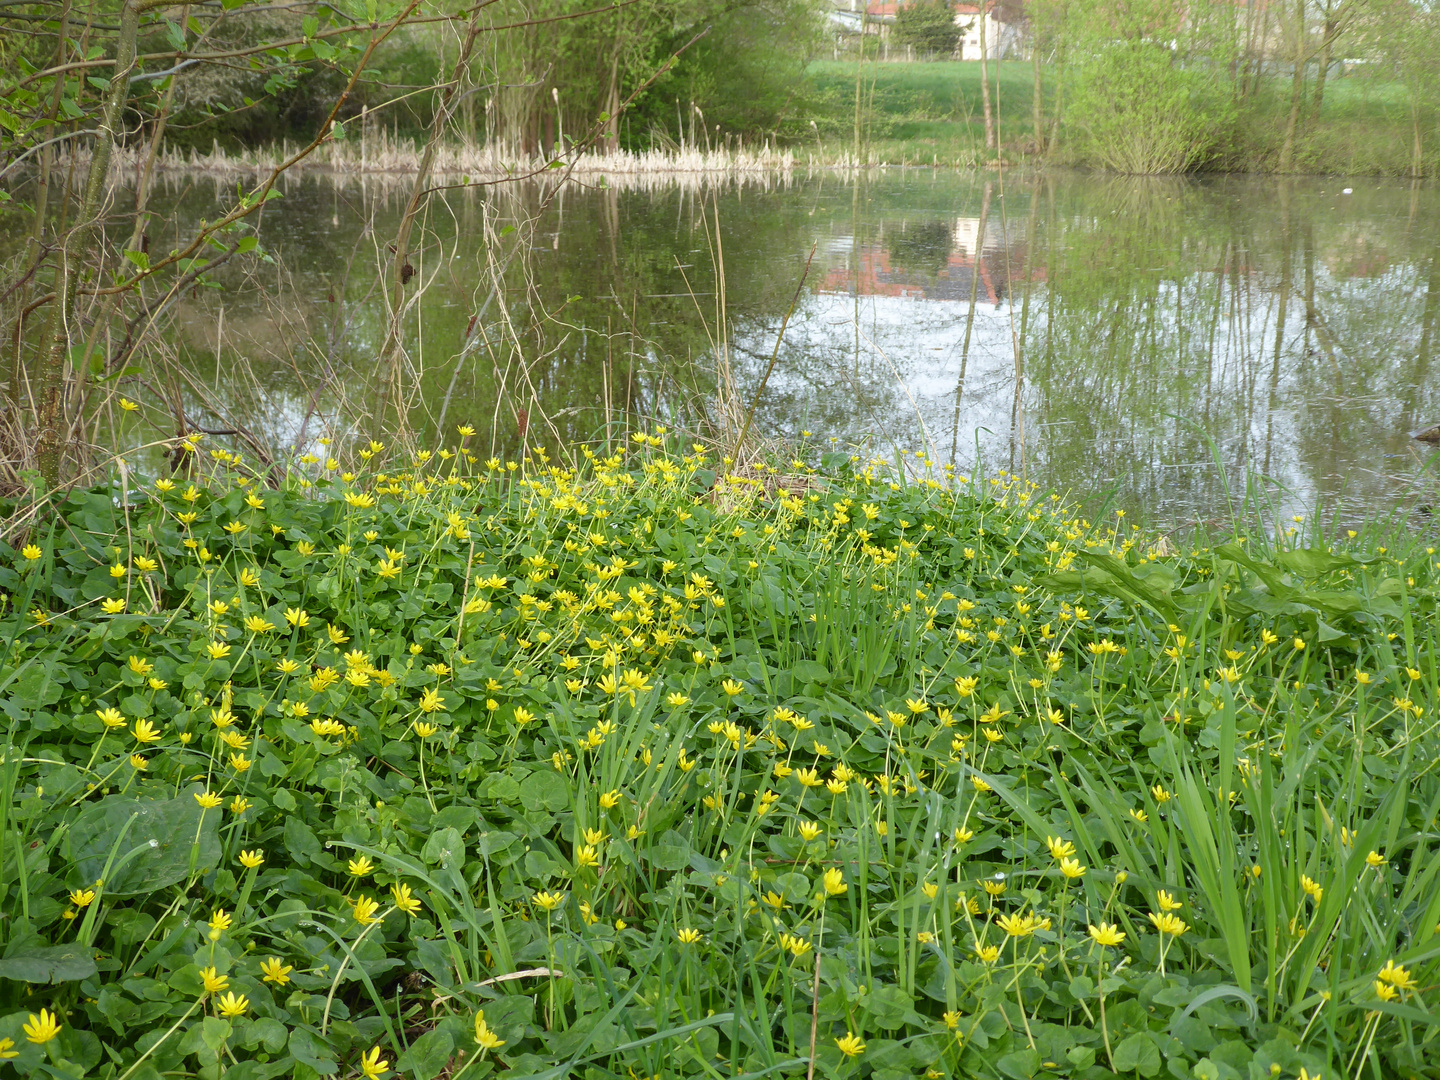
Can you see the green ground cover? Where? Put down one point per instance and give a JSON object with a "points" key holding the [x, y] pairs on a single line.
{"points": [[617, 771]]}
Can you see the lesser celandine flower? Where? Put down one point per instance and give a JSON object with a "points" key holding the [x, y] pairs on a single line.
{"points": [[372, 1064], [214, 982], [1106, 934], [275, 971], [404, 901], [360, 867], [487, 1039], [208, 800], [365, 909], [689, 936], [252, 859], [833, 882], [41, 1029], [851, 1045], [548, 900]]}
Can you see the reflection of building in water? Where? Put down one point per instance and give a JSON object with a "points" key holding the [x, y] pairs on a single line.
{"points": [[910, 264]]}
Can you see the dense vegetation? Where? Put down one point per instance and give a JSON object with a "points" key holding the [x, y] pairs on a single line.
{"points": [[618, 767]]}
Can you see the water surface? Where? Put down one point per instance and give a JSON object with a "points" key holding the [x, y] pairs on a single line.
{"points": [[1155, 339]]}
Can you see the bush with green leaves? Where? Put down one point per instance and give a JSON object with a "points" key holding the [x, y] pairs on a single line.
{"points": [[623, 768]]}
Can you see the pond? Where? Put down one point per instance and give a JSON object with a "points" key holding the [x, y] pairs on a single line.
{"points": [[1153, 342]]}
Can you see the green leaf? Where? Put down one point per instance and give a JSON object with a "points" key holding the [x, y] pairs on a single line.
{"points": [[1138, 1053], [47, 964], [544, 790], [167, 840], [427, 1056], [309, 1049]]}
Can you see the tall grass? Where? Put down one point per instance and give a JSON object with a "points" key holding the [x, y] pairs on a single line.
{"points": [[625, 766]]}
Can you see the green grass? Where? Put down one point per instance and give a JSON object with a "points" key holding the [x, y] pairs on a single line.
{"points": [[931, 113], [601, 770], [917, 112]]}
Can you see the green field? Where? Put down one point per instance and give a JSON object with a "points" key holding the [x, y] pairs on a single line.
{"points": [[931, 112], [620, 768]]}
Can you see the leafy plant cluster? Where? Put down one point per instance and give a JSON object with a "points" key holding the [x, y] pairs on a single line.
{"points": [[635, 767]]}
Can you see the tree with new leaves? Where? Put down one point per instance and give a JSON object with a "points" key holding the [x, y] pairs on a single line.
{"points": [[927, 26]]}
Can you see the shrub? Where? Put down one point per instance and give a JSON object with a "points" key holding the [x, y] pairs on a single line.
{"points": [[1139, 111]]}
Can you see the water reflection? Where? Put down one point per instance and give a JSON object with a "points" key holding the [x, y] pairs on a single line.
{"points": [[1158, 338]]}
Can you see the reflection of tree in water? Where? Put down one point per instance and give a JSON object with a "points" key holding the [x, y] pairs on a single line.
{"points": [[921, 247]]}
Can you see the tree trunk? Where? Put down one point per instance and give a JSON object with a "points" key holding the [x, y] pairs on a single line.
{"points": [[985, 85], [76, 246], [1332, 31], [1037, 108], [1297, 91], [611, 140]]}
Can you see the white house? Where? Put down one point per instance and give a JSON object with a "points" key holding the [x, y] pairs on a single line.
{"points": [[972, 24]]}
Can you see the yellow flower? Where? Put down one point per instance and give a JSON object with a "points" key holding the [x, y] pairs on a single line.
{"points": [[221, 919], [31, 552], [213, 980], [850, 1045], [138, 762], [1059, 849], [1167, 902], [1071, 868], [111, 718], [1169, 924], [431, 701], [113, 606], [1385, 992], [425, 730], [240, 763], [208, 800], [365, 909], [1019, 925], [82, 897], [487, 1039], [548, 900], [7, 1049], [731, 687], [1396, 976], [1106, 934], [256, 625], [275, 971], [218, 650], [795, 946], [689, 936], [1311, 888], [231, 1006], [372, 1065], [587, 856], [917, 705], [808, 830], [610, 800], [834, 882], [987, 954], [404, 901], [297, 617], [360, 867], [41, 1029], [808, 778], [1375, 860], [251, 859]]}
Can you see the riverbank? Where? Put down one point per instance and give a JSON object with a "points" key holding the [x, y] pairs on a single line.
{"points": [[912, 114], [506, 767]]}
